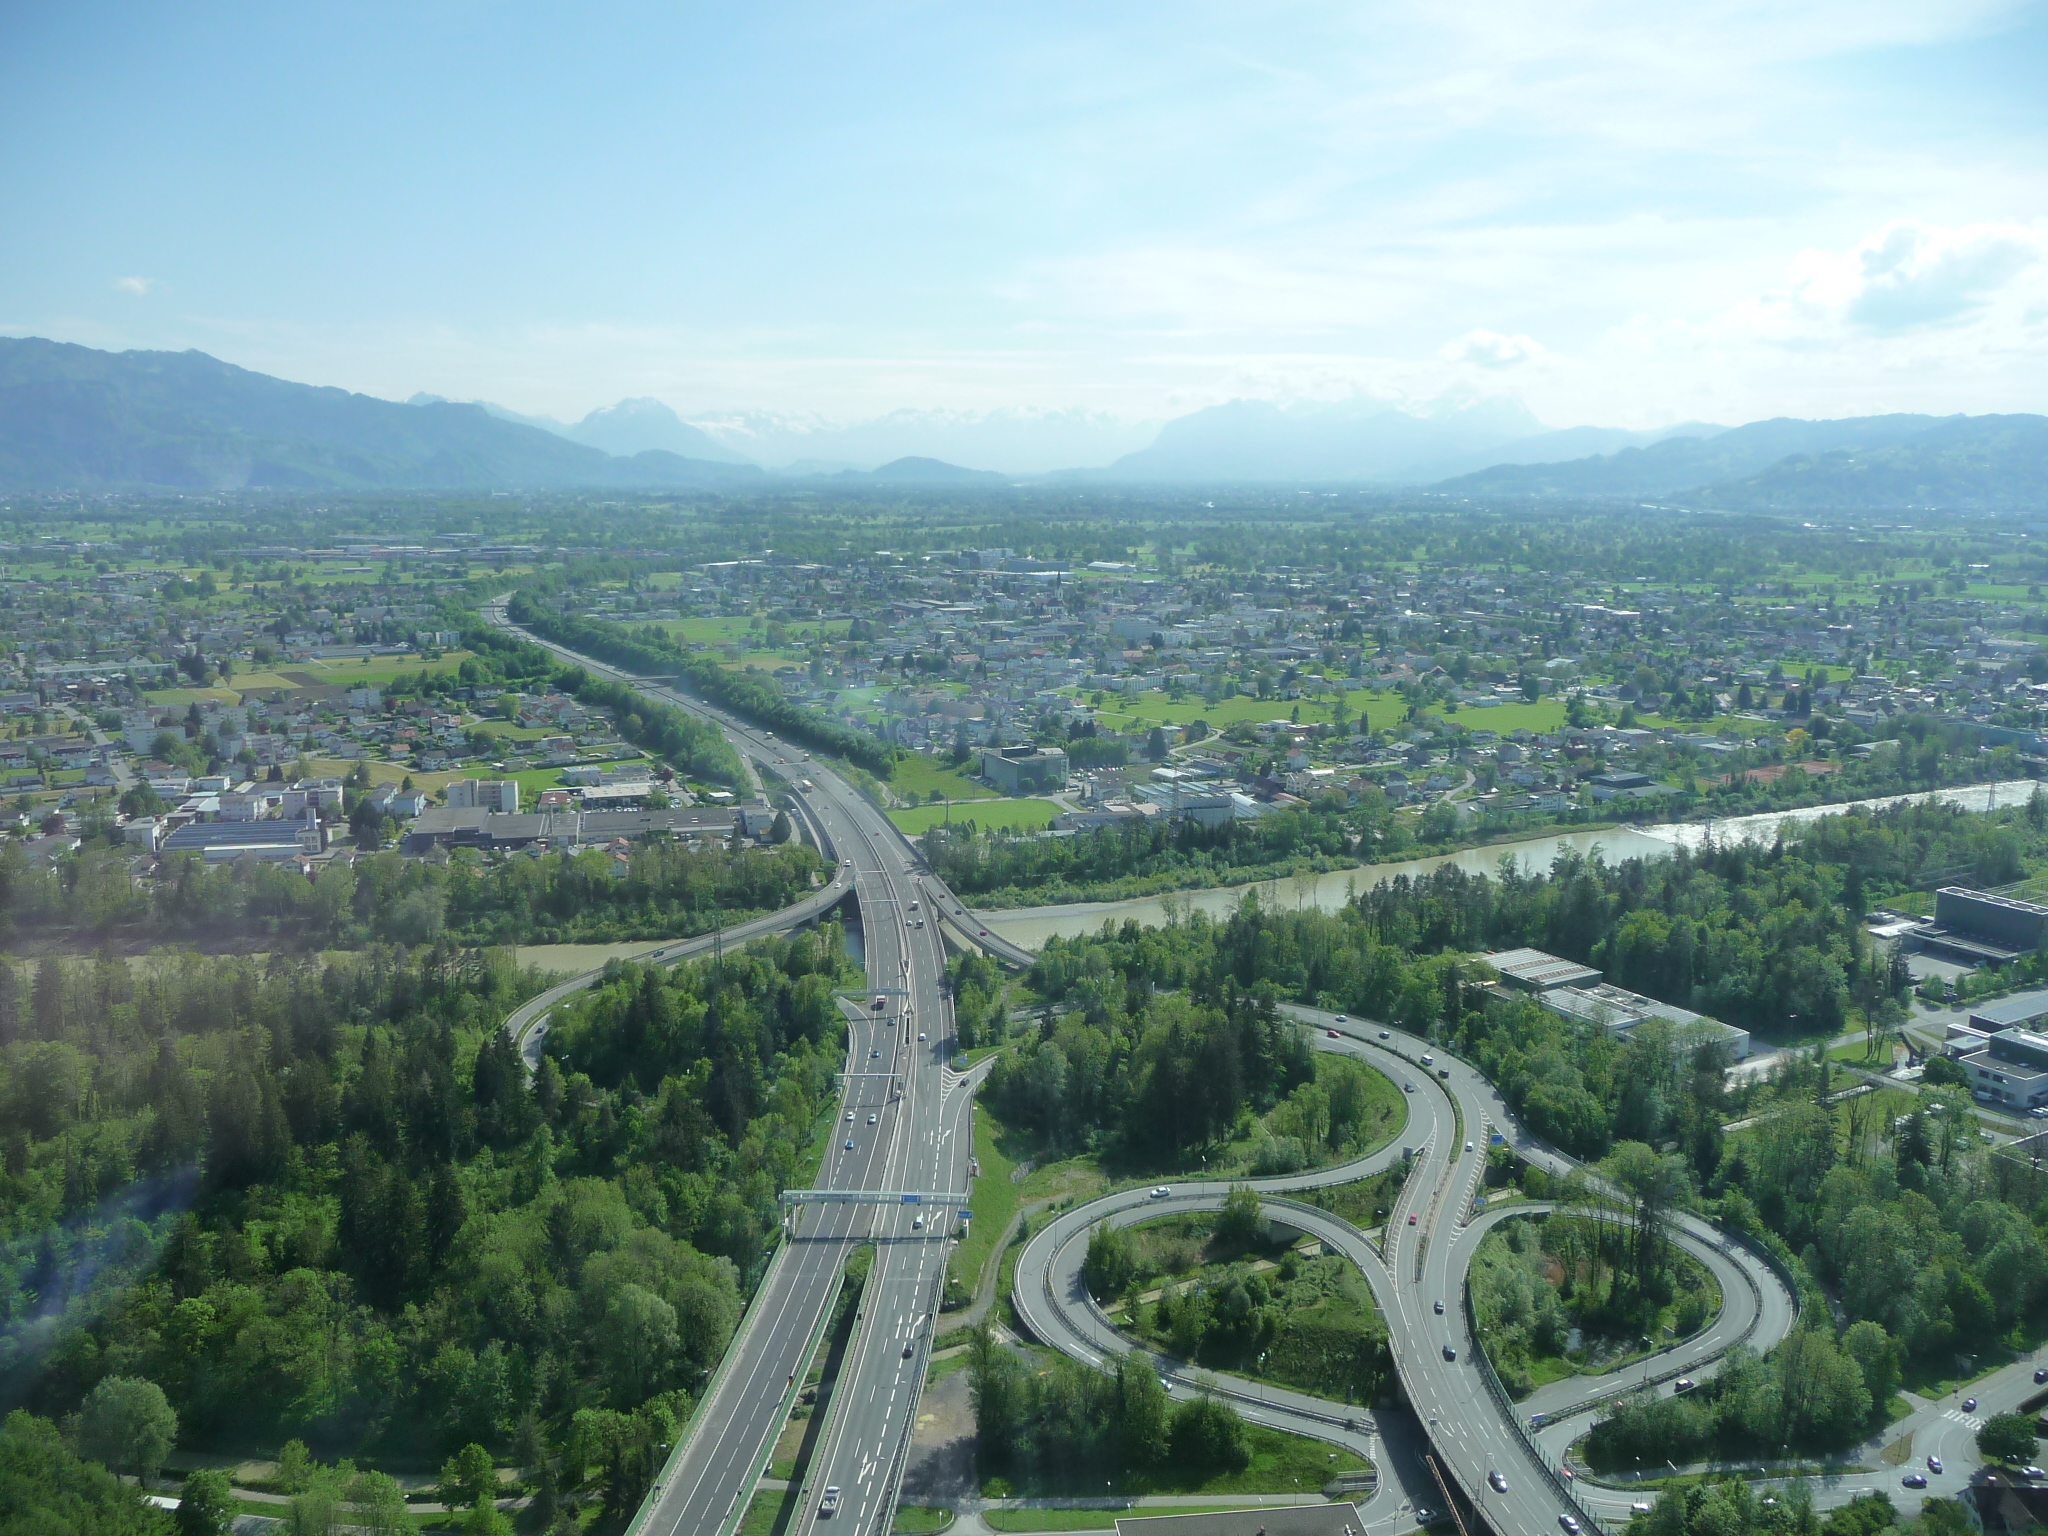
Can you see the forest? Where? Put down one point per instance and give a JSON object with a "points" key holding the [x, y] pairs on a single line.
{"points": [[1117, 862], [321, 1199], [664, 890]]}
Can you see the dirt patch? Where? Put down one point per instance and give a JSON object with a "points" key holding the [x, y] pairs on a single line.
{"points": [[941, 1466]]}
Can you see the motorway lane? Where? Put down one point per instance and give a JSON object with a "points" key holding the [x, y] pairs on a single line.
{"points": [[922, 1140], [1742, 1309], [1423, 1265], [873, 1410], [527, 1024]]}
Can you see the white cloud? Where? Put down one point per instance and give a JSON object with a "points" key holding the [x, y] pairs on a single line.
{"points": [[1905, 276], [141, 287], [1490, 349]]}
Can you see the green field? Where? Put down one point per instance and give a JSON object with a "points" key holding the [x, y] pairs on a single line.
{"points": [[995, 1202], [1016, 815], [1543, 715], [925, 776], [372, 672]]}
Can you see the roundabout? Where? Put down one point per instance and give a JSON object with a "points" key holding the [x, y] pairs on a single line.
{"points": [[1473, 1435]]}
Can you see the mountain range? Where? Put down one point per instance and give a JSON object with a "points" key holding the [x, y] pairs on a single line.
{"points": [[623, 430], [1362, 441], [75, 418]]}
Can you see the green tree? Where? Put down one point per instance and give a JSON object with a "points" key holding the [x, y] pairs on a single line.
{"points": [[1876, 1353], [1109, 1266], [1208, 1433], [206, 1504], [45, 1490], [2007, 1437], [467, 1476], [1143, 1411], [295, 1466], [127, 1423], [1239, 1222]]}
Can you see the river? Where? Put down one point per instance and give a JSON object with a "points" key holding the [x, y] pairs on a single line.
{"points": [[1032, 926]]}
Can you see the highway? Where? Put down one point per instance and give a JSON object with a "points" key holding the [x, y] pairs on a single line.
{"points": [[1473, 1430], [920, 1141]]}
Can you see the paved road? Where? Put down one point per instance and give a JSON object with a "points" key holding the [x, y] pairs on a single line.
{"points": [[1452, 1109], [921, 1141]]}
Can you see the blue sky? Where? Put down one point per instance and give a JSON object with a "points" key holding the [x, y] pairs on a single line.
{"points": [[1623, 214]]}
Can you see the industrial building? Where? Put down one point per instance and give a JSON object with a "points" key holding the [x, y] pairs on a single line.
{"points": [[484, 794], [1025, 770], [472, 827], [2010, 1072], [1531, 970], [1979, 928], [1579, 993]]}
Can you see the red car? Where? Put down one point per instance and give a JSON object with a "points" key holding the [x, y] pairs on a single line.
{"points": [[1335, 1036], [1411, 1218]]}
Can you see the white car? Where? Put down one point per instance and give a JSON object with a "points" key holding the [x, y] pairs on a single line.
{"points": [[871, 1119], [849, 1117], [1160, 1192], [920, 1034]]}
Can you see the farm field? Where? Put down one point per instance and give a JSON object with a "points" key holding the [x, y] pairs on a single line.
{"points": [[1012, 815]]}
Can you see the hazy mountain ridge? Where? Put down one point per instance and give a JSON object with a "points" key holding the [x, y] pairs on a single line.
{"points": [[630, 427], [74, 417], [1893, 460], [1987, 462], [1019, 441], [1362, 440]]}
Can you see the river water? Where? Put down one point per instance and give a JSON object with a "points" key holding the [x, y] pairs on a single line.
{"points": [[1032, 926]]}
